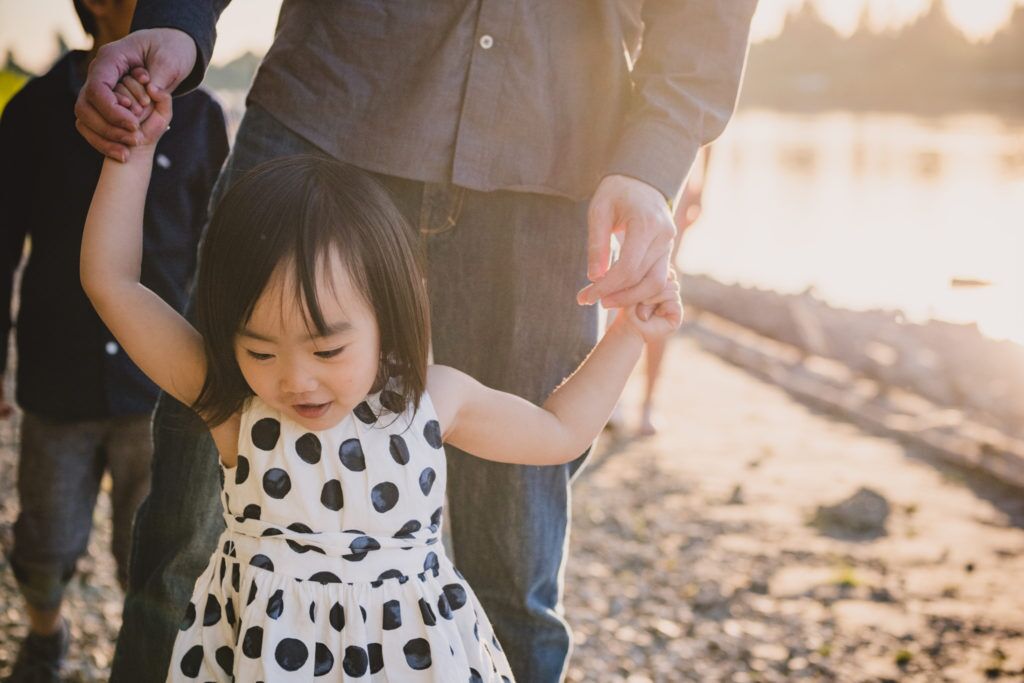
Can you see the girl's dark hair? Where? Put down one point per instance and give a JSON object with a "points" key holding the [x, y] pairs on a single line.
{"points": [[301, 209]]}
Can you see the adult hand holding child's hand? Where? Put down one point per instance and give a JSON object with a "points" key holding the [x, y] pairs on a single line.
{"points": [[658, 316], [168, 55]]}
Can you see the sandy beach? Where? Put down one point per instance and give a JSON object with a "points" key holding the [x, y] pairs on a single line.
{"points": [[693, 556]]}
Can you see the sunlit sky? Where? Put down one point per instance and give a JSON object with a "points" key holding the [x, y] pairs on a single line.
{"points": [[27, 26]]}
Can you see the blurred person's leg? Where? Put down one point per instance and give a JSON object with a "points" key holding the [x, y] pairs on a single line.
{"points": [[59, 470], [503, 272], [129, 449], [177, 525]]}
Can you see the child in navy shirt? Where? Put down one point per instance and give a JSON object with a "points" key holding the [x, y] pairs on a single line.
{"points": [[86, 407]]}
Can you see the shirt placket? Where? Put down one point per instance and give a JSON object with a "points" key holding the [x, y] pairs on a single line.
{"points": [[477, 131]]}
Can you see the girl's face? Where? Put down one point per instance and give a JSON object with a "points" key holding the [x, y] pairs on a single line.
{"points": [[316, 380]]}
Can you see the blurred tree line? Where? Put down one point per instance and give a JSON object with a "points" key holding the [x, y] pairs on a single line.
{"points": [[928, 65]]}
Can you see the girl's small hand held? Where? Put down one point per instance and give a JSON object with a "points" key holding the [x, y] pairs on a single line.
{"points": [[666, 316], [149, 103]]}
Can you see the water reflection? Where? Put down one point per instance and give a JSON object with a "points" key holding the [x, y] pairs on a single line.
{"points": [[872, 210]]}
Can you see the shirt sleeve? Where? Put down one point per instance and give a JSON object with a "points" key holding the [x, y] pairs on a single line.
{"points": [[197, 18], [15, 197], [685, 84]]}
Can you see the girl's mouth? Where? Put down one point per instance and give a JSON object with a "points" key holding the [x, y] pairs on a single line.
{"points": [[311, 411]]}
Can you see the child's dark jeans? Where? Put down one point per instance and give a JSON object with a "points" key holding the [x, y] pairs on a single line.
{"points": [[60, 468]]}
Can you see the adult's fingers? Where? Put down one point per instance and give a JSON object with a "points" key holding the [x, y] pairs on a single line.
{"points": [[114, 150], [600, 223], [96, 99], [92, 120], [653, 276]]}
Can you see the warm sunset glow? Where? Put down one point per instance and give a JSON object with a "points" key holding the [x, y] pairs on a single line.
{"points": [[978, 19]]}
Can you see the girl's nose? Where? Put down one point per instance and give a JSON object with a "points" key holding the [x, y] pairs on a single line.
{"points": [[297, 381]]}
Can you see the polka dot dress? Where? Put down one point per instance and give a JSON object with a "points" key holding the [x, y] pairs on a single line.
{"points": [[331, 566]]}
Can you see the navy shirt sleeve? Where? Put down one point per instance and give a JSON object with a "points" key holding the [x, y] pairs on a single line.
{"points": [[16, 138]]}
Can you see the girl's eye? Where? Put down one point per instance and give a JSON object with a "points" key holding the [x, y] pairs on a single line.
{"points": [[259, 356], [330, 353]]}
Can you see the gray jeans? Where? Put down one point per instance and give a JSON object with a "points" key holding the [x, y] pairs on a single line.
{"points": [[503, 270], [60, 467]]}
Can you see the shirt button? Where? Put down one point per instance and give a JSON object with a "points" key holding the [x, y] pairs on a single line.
{"points": [[486, 41], [110, 348]]}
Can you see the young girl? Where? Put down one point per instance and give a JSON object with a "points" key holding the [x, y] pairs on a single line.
{"points": [[309, 364]]}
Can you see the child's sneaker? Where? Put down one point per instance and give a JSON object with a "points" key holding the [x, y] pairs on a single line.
{"points": [[41, 658]]}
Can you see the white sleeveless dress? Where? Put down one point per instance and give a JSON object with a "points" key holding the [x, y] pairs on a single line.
{"points": [[331, 566]]}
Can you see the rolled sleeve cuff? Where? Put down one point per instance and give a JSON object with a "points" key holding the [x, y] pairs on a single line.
{"points": [[191, 18], [656, 154]]}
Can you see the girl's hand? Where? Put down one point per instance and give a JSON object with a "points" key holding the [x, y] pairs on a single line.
{"points": [[666, 316], [152, 106]]}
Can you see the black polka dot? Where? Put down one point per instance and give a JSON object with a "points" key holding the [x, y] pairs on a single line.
{"points": [[323, 660], [476, 630], [392, 400], [262, 561], [252, 511], [236, 578], [308, 448], [337, 617], [360, 547], [229, 611], [298, 547], [495, 643], [364, 412], [252, 593], [435, 519], [277, 483], [331, 496], [312, 612], [191, 661], [265, 433], [225, 657], [242, 470], [291, 654], [392, 615], [474, 676], [275, 605], [189, 618], [393, 574], [211, 613], [229, 548], [384, 496], [351, 454], [443, 608], [427, 477], [223, 569], [362, 613], [456, 595], [325, 577], [300, 528], [355, 661], [432, 433], [376, 653], [417, 654], [408, 529], [427, 612], [252, 642], [272, 531], [430, 563], [399, 451]]}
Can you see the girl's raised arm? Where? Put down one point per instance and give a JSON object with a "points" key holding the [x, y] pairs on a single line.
{"points": [[155, 336], [499, 426]]}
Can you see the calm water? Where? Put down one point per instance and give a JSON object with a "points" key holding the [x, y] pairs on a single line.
{"points": [[871, 210]]}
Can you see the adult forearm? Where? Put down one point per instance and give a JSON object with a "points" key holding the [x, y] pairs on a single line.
{"points": [[686, 83]]}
